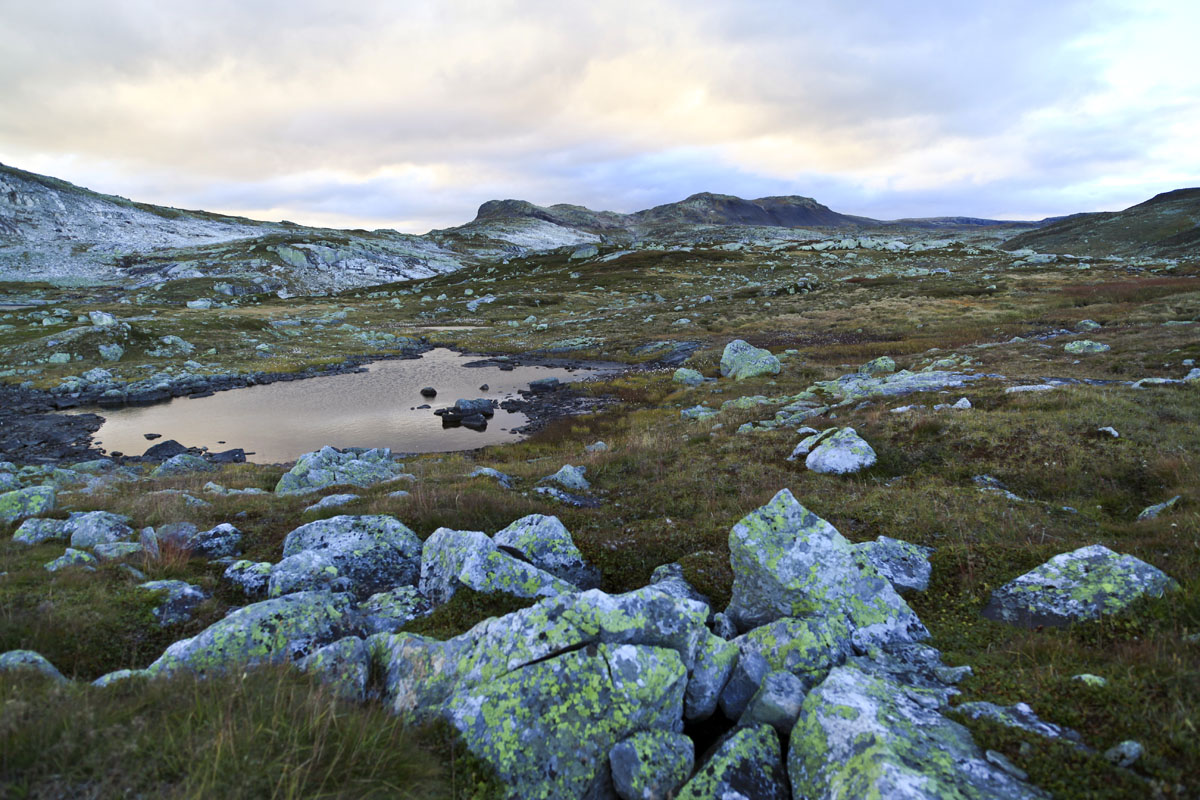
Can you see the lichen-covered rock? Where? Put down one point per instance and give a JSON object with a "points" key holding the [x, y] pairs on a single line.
{"points": [[1085, 346], [570, 478], [344, 665], [688, 377], [741, 360], [906, 565], [451, 559], [715, 659], [182, 464], [375, 553], [840, 453], [776, 703], [91, 528], [180, 599], [73, 558], [36, 531], [280, 630], [108, 679], [1020, 716], [1152, 512], [421, 672], [331, 501], [29, 661], [747, 764], [651, 765], [1084, 584], [862, 735], [506, 481], [788, 562], [547, 544], [386, 611], [806, 445], [222, 541], [252, 577], [306, 571], [547, 728], [29, 502], [857, 386], [878, 366], [115, 551], [331, 467]]}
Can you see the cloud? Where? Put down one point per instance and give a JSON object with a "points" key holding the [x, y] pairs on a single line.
{"points": [[409, 114]]}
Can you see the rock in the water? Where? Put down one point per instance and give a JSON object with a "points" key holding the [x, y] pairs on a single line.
{"points": [[788, 562], [36, 531], [88, 529], [651, 765], [547, 728], [164, 450], [452, 559], [180, 599], [30, 502], [547, 544], [841, 453], [375, 553], [741, 360], [331, 467], [280, 630], [748, 764], [252, 577], [182, 464], [1084, 584], [570, 478], [1084, 346], [905, 565], [29, 661], [863, 735], [344, 665]]}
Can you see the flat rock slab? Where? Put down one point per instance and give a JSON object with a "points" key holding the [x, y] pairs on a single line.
{"points": [[1084, 584]]}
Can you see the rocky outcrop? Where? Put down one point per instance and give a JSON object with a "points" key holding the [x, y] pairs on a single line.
{"points": [[373, 553], [331, 467]]}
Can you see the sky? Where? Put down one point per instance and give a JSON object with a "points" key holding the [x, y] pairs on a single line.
{"points": [[409, 115]]}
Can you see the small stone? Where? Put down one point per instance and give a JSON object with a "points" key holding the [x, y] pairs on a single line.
{"points": [[72, 558], [29, 661], [1094, 681], [1085, 346], [570, 478], [1111, 431], [1152, 512], [1125, 754]]}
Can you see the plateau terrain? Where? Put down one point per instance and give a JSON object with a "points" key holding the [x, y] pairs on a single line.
{"points": [[845, 508]]}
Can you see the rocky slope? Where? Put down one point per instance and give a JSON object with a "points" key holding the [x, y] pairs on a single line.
{"points": [[1166, 225]]}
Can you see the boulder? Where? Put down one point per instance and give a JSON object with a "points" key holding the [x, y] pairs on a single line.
{"points": [[344, 665], [688, 377], [251, 577], [1152, 512], [281, 630], [30, 662], [863, 735], [376, 553], [451, 559], [182, 464], [36, 531], [1084, 584], [1021, 717], [840, 453], [570, 478], [305, 571], [741, 360], [179, 599], [386, 611], [72, 558], [546, 543], [806, 445], [164, 450], [776, 703], [88, 529], [878, 366], [651, 765], [746, 764], [331, 501], [547, 728], [487, 472], [331, 467], [669, 578], [223, 541], [788, 562], [714, 662], [1084, 347], [114, 551], [905, 565], [30, 502]]}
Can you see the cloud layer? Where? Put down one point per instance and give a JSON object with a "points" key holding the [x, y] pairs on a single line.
{"points": [[408, 115]]}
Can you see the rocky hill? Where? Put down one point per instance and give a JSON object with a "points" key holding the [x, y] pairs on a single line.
{"points": [[1166, 225]]}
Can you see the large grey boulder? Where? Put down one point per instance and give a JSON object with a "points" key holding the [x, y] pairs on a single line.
{"points": [[386, 611], [547, 544], [306, 571], [344, 665], [452, 559], [1087, 583], [280, 630], [776, 703], [222, 541], [72, 558], [841, 453], [375, 553], [548, 728], [88, 529], [878, 366], [651, 765], [714, 663], [688, 377], [36, 531], [31, 662], [331, 467], [33, 501], [747, 764], [741, 360], [179, 600], [182, 464], [863, 735], [420, 673], [906, 565], [569, 477], [788, 562], [251, 577]]}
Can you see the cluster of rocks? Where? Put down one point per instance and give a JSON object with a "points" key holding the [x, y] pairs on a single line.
{"points": [[473, 414], [834, 451]]}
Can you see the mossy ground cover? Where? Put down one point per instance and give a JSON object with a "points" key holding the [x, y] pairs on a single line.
{"points": [[673, 488]]}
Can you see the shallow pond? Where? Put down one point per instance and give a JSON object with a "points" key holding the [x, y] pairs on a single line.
{"points": [[280, 421]]}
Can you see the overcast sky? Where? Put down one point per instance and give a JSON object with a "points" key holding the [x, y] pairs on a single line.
{"points": [[408, 115]]}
